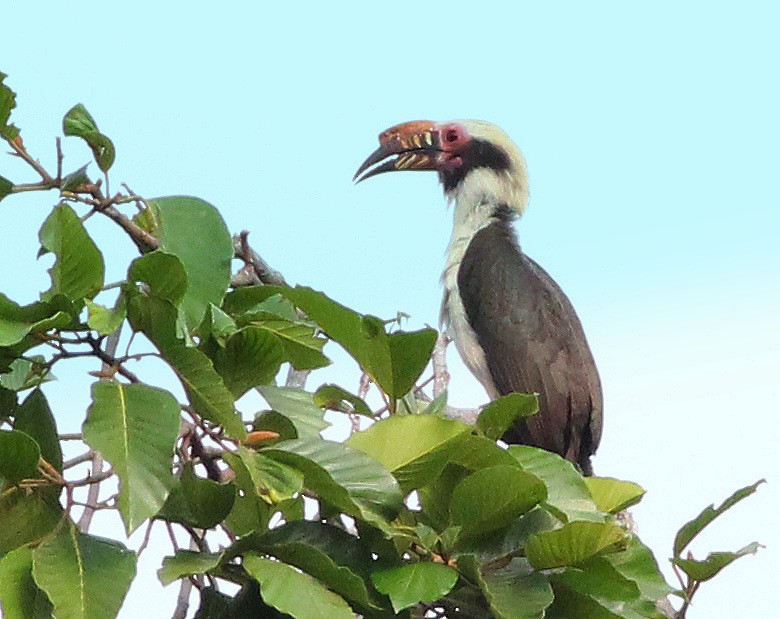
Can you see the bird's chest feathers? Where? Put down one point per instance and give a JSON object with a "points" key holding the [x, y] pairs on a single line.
{"points": [[468, 221]]}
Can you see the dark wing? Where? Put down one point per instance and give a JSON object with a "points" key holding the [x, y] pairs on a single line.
{"points": [[533, 342]]}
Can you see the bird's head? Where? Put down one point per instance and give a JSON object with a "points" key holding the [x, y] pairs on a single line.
{"points": [[476, 160]]}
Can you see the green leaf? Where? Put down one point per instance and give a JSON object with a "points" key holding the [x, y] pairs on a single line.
{"points": [[26, 373], [252, 356], [479, 452], [575, 543], [207, 392], [254, 303], [6, 187], [20, 597], [691, 529], [567, 493], [187, 563], [515, 591], [298, 406], [34, 418], [498, 416], [334, 557], [491, 498], [106, 320], [197, 502], [163, 273], [301, 346], [335, 398], [346, 478], [79, 122], [135, 427], [78, 270], [293, 592], [74, 180], [414, 583], [19, 455], [414, 448], [614, 495], [193, 230], [7, 103], [27, 516], [275, 422], [250, 512], [598, 582], [393, 360], [16, 321], [702, 570], [637, 563], [85, 577], [271, 480]]}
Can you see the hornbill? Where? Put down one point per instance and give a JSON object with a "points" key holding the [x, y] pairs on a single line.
{"points": [[512, 324]]}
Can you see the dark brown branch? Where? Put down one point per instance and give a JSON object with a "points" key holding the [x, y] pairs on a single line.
{"points": [[260, 268]]}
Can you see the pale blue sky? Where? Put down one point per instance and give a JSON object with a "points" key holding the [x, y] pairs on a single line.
{"points": [[651, 134]]}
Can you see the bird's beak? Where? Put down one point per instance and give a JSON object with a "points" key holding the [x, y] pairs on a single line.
{"points": [[416, 144]]}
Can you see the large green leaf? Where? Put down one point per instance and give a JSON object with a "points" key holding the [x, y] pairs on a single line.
{"points": [[187, 563], [85, 577], [334, 557], [135, 428], [394, 360], [691, 529], [346, 478], [7, 103], [197, 502], [710, 567], [491, 498], [599, 583], [498, 416], [298, 406], [34, 418], [293, 592], [20, 597], [157, 319], [414, 448], [637, 564], [78, 269], [575, 543], [514, 591], [252, 356], [417, 582], [17, 321], [193, 230], [567, 494], [27, 516], [19, 455], [614, 495]]}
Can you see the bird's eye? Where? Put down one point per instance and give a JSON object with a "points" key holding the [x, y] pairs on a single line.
{"points": [[452, 135]]}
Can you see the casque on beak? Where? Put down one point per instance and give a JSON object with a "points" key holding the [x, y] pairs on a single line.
{"points": [[417, 145]]}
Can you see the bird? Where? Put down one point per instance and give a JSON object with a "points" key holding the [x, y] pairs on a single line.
{"points": [[514, 327]]}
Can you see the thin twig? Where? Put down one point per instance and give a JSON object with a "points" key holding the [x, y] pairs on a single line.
{"points": [[85, 457]]}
